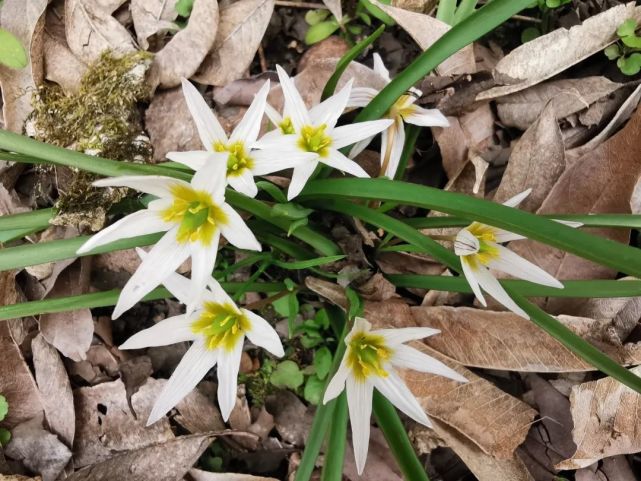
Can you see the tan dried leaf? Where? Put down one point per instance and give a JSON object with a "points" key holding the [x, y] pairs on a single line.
{"points": [[537, 160], [151, 17], [607, 421], [91, 29], [198, 414], [55, 388], [165, 461], [199, 475], [567, 96], [187, 50], [240, 31], [554, 52], [61, 65], [25, 20], [425, 30]]}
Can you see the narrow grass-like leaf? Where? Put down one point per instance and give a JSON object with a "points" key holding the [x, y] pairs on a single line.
{"points": [[629, 221], [36, 219], [335, 454], [306, 264]]}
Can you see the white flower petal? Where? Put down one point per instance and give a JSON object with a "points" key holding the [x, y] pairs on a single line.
{"points": [[236, 231], [163, 259], [517, 266], [179, 286], [194, 159], [350, 134], [139, 223], [217, 294], [203, 258], [262, 334], [569, 223], [279, 143], [157, 185], [209, 128], [359, 146], [395, 337], [228, 366], [243, 183], [466, 243], [517, 199], [249, 126], [300, 176], [270, 161], [490, 285], [409, 358], [395, 150], [505, 236], [339, 161], [359, 403], [337, 383], [293, 101], [379, 67], [169, 331], [212, 177], [273, 115], [426, 117], [396, 392], [194, 365], [360, 96], [328, 111], [470, 274]]}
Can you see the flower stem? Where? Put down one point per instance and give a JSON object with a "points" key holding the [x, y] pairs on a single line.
{"points": [[335, 455]]}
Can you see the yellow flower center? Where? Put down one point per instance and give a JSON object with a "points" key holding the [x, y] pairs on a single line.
{"points": [[286, 126], [238, 159], [486, 236], [314, 139], [222, 325], [366, 354], [195, 212], [403, 107]]}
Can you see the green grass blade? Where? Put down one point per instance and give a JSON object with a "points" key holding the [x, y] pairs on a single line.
{"points": [[575, 343], [36, 219], [335, 455], [606, 252], [628, 221], [445, 11], [343, 63], [397, 439], [587, 289], [306, 264]]}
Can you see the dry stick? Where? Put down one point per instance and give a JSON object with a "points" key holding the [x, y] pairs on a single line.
{"points": [[261, 58], [286, 3]]}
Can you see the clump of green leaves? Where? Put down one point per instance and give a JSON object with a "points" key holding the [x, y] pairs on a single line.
{"points": [[5, 435], [627, 50], [12, 53]]}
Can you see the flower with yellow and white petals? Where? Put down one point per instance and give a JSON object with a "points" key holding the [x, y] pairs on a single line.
{"points": [[243, 162], [194, 215], [217, 329], [314, 132], [369, 363], [403, 110], [479, 249]]}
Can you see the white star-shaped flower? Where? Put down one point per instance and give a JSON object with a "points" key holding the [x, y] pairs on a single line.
{"points": [[193, 214], [217, 329], [403, 110], [303, 131], [369, 363], [479, 249], [237, 150]]}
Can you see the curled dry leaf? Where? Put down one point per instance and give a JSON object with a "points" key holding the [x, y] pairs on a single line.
{"points": [[425, 30], [151, 17], [199, 475], [185, 52], [240, 31], [566, 96], [91, 29], [165, 461], [106, 426], [506, 341], [25, 21], [55, 388], [537, 160], [39, 450], [549, 54], [606, 421]]}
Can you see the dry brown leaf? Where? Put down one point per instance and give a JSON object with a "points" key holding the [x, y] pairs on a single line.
{"points": [[185, 52], [167, 461], [506, 341], [105, 426], [55, 388], [18, 477], [607, 421], [61, 65], [380, 465], [331, 47], [567, 96], [151, 17], [537, 160], [39, 450], [425, 30], [292, 418], [240, 31], [616, 468], [601, 181], [549, 54], [91, 29], [198, 414], [26, 22], [199, 475], [70, 332]]}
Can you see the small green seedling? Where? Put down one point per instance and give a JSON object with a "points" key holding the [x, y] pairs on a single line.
{"points": [[627, 50], [5, 435], [12, 53], [287, 375]]}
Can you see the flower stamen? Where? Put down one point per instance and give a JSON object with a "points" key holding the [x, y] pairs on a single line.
{"points": [[221, 325], [314, 139], [238, 158], [367, 354]]}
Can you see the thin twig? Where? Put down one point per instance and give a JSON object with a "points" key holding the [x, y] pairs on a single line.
{"points": [[261, 58], [287, 3], [524, 18]]}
